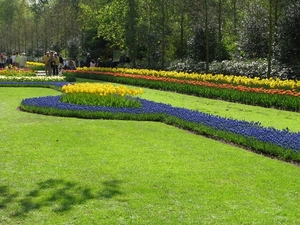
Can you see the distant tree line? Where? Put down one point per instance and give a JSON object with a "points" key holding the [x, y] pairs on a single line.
{"points": [[155, 33]]}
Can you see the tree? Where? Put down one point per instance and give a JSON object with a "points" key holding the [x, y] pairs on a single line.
{"points": [[203, 43], [131, 30], [7, 23], [289, 35], [254, 34]]}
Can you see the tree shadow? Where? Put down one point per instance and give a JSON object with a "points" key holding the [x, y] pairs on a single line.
{"points": [[6, 196], [111, 188], [58, 194]]}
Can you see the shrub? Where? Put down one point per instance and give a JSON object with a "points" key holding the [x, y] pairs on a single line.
{"points": [[250, 68]]}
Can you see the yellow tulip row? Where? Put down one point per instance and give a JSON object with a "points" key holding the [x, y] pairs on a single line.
{"points": [[220, 78], [16, 72], [29, 63], [101, 89]]}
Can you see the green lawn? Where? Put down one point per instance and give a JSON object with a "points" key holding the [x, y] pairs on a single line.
{"points": [[56, 170]]}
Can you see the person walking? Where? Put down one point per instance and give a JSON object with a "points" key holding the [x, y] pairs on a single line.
{"points": [[46, 60], [13, 59], [55, 64], [17, 59], [23, 61], [99, 63], [2, 60], [61, 64], [88, 60]]}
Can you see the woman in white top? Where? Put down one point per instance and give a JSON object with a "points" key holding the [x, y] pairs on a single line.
{"points": [[92, 63]]}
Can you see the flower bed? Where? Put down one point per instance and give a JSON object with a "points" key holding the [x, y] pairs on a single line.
{"points": [[32, 79], [9, 72], [100, 94], [26, 75], [277, 98], [279, 143], [36, 65], [214, 78]]}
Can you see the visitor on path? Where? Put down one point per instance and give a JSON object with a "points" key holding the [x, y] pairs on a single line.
{"points": [[17, 59], [111, 63], [13, 59], [61, 64], [9, 62], [99, 63], [23, 61], [55, 63], [88, 60], [2, 60], [71, 64], [92, 63], [46, 60], [66, 64]]}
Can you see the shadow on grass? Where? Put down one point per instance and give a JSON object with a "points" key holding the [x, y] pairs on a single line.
{"points": [[59, 195], [6, 196]]}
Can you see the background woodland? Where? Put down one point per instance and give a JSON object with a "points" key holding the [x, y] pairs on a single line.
{"points": [[190, 35]]}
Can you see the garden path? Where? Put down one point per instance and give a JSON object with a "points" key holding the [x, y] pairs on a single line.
{"points": [[41, 73]]}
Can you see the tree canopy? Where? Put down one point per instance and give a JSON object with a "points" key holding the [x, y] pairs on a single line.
{"points": [[153, 32]]}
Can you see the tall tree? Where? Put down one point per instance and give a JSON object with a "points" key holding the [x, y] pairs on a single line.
{"points": [[131, 29], [253, 33], [270, 39], [289, 34]]}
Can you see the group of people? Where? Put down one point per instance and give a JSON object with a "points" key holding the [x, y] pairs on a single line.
{"points": [[15, 60], [91, 62], [110, 63], [55, 63]]}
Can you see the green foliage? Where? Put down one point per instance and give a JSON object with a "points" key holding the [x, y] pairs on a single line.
{"points": [[36, 67], [197, 44], [69, 77]]}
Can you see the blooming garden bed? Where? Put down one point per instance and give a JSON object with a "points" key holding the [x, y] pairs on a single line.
{"points": [[285, 98], [279, 143], [283, 144]]}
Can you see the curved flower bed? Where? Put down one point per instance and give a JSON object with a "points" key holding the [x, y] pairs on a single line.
{"points": [[268, 140]]}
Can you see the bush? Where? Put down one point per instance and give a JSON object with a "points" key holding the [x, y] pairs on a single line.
{"points": [[250, 68]]}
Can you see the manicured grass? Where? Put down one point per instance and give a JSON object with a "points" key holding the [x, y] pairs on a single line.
{"points": [[56, 170]]}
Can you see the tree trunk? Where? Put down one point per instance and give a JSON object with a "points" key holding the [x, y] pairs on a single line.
{"points": [[270, 41], [206, 37], [163, 44]]}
